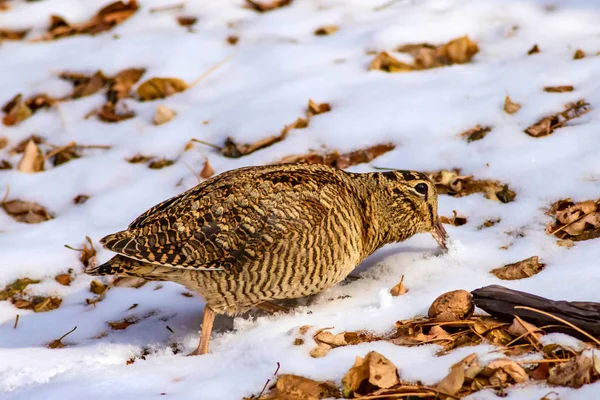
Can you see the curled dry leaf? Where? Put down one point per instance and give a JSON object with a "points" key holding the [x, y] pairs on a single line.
{"points": [[399, 289], [294, 387], [452, 183], [80, 199], [534, 50], [84, 85], [385, 62], [575, 221], [45, 304], [508, 367], [579, 54], [316, 108], [97, 287], [16, 111], [375, 369], [120, 85], [110, 113], [326, 30], [159, 88], [558, 89], [519, 270], [186, 20], [207, 170], [11, 34], [160, 164], [455, 220], [344, 160], [326, 341], [163, 115], [266, 5], [457, 303], [26, 211], [511, 107], [32, 160], [476, 133], [121, 325], [63, 279], [466, 369], [575, 373]]}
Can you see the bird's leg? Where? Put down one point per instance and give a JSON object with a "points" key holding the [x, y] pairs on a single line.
{"points": [[272, 308], [207, 325]]}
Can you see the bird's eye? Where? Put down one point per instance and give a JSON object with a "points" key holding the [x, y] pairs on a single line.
{"points": [[421, 188]]}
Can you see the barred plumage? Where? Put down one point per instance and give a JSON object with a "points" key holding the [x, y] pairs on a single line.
{"points": [[256, 234]]}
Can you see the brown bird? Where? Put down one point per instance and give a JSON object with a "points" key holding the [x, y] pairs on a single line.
{"points": [[256, 234]]}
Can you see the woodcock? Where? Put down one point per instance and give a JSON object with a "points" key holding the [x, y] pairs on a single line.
{"points": [[256, 234]]}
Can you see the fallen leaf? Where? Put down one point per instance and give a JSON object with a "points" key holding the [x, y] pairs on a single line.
{"points": [[12, 34], [399, 289], [32, 160], [159, 164], [16, 287], [519, 270], [139, 159], [5, 165], [375, 369], [3, 142], [20, 147], [558, 89], [121, 325], [163, 115], [57, 343], [120, 85], [338, 160], [97, 287], [511, 368], [320, 351], [159, 88], [521, 328], [316, 108], [84, 85], [207, 170], [26, 211], [535, 49], [575, 221], [476, 133], [64, 154], [574, 373], [109, 113], [63, 279], [80, 199], [452, 183], [186, 21], [579, 54], [47, 304], [294, 387], [510, 107], [540, 372], [467, 368], [326, 30], [426, 56], [16, 111], [264, 6], [385, 62], [459, 303], [232, 39], [455, 220]]}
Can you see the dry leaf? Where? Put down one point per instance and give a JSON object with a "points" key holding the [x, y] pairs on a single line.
{"points": [[97, 287], [159, 88], [232, 39], [120, 85], [20, 147], [16, 111], [83, 85], [338, 160], [5, 165], [63, 279], [207, 170], [26, 211], [574, 373], [374, 369], [575, 221], [457, 302], [511, 368], [521, 328], [385, 62], [467, 368], [163, 115], [454, 184], [316, 108], [80, 199], [558, 89], [109, 113], [88, 254], [476, 133], [519, 270], [510, 107], [3, 142], [266, 5], [293, 387], [47, 304], [159, 164], [121, 325], [17, 287], [10, 34], [399, 289], [535, 49], [186, 21], [57, 343], [32, 160], [455, 220], [579, 54], [139, 159], [326, 30], [426, 56]]}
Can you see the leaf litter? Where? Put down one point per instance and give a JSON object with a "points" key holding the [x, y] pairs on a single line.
{"points": [[575, 221], [450, 182]]}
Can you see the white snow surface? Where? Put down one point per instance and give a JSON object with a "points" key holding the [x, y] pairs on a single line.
{"points": [[275, 68]]}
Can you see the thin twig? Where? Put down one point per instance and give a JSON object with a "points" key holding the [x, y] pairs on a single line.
{"points": [[177, 6], [269, 380], [16, 322], [544, 361], [560, 320], [206, 144], [212, 69], [57, 150], [66, 334]]}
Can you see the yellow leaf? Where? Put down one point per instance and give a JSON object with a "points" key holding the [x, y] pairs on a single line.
{"points": [[374, 368], [159, 88]]}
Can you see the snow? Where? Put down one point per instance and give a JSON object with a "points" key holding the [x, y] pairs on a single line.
{"points": [[265, 84]]}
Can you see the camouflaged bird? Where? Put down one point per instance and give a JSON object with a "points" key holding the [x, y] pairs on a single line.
{"points": [[255, 234]]}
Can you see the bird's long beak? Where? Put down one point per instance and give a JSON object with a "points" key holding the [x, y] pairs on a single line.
{"points": [[439, 234]]}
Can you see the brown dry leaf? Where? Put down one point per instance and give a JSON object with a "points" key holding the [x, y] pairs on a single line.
{"points": [[476, 133], [11, 34], [121, 325], [455, 220], [20, 147], [574, 373], [84, 85], [80, 199], [320, 351], [519, 270], [16, 111], [17, 287], [57, 343], [159, 88], [207, 170], [232, 39], [511, 368], [459, 303], [267, 5], [558, 89], [159, 164], [375, 369], [326, 30], [97, 287], [399, 289], [294, 387], [105, 19], [32, 160], [535, 49], [63, 279], [109, 113], [3, 142], [88, 254], [5, 165], [520, 328], [163, 115], [579, 54], [120, 85], [575, 221], [511, 107], [139, 159], [338, 160], [47, 304], [316, 108], [26, 211], [65, 155], [467, 368], [426, 56], [454, 184], [385, 62], [186, 20]]}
